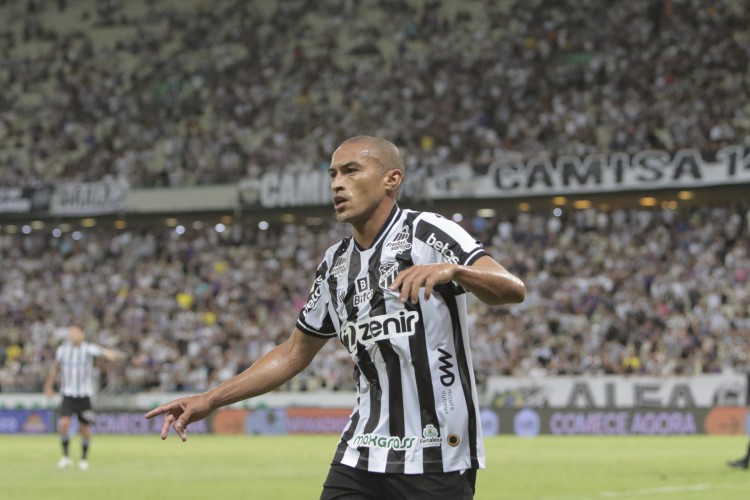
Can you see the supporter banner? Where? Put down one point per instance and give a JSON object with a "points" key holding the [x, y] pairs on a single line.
{"points": [[229, 422], [530, 422], [267, 422], [89, 198], [286, 189], [703, 391], [651, 169], [24, 200], [125, 422], [295, 189], [317, 420], [26, 421]]}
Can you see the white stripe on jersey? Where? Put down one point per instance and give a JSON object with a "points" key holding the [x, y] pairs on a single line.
{"points": [[77, 368], [417, 404]]}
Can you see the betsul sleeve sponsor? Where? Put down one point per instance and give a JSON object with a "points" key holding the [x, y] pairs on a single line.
{"points": [[449, 240]]}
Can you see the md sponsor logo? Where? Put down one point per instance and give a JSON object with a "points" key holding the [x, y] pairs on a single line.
{"points": [[448, 377], [430, 437], [388, 442], [383, 327], [443, 248]]}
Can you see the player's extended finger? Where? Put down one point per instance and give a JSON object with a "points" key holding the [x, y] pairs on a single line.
{"points": [[414, 285], [180, 426], [428, 286], [165, 425], [405, 288], [160, 409], [400, 277]]}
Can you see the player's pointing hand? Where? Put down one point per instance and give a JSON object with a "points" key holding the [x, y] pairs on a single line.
{"points": [[182, 412]]}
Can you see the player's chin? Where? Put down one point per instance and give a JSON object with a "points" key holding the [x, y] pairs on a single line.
{"points": [[343, 216]]}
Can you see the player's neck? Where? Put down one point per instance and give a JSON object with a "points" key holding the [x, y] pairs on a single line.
{"points": [[366, 232]]}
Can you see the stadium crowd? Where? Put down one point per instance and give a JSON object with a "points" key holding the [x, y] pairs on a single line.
{"points": [[173, 93], [636, 291]]}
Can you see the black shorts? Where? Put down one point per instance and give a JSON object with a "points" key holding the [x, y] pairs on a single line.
{"points": [[81, 407], [347, 483]]}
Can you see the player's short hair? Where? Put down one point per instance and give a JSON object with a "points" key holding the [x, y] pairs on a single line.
{"points": [[384, 152]]}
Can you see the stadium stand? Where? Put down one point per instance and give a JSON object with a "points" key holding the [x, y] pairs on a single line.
{"points": [[170, 94], [638, 291]]}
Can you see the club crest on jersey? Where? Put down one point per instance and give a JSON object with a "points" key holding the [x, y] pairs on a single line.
{"points": [[339, 267], [401, 242], [364, 294], [382, 327], [388, 272]]}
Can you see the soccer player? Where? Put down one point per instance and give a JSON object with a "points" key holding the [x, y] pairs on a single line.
{"points": [[395, 296], [74, 360]]}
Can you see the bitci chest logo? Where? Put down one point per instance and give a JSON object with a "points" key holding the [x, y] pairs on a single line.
{"points": [[364, 293]]}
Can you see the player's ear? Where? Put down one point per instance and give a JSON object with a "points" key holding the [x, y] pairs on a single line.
{"points": [[393, 179]]}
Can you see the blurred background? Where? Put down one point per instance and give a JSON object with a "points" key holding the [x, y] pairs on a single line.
{"points": [[163, 183]]}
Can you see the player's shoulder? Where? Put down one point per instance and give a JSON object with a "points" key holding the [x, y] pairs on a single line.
{"points": [[433, 219], [333, 253], [91, 346], [337, 249]]}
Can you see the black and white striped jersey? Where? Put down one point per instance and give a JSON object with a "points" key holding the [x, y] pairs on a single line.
{"points": [[417, 408], [77, 368]]}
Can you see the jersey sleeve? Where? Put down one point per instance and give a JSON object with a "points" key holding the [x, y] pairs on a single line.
{"points": [[446, 241], [94, 350], [315, 318], [442, 240], [59, 353]]}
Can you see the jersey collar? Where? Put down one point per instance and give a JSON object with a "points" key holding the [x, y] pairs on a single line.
{"points": [[392, 217]]}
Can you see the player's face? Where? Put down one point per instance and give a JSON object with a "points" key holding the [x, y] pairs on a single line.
{"points": [[75, 335], [358, 183]]}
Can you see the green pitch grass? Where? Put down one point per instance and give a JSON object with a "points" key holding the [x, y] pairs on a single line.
{"points": [[294, 467]]}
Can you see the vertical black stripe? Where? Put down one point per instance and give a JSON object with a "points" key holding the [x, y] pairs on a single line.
{"points": [[76, 355], [333, 293], [347, 435], [333, 281], [464, 374], [364, 362], [432, 456], [396, 423]]}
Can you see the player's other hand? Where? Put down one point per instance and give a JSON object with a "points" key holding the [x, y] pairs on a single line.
{"points": [[182, 412], [49, 391]]}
